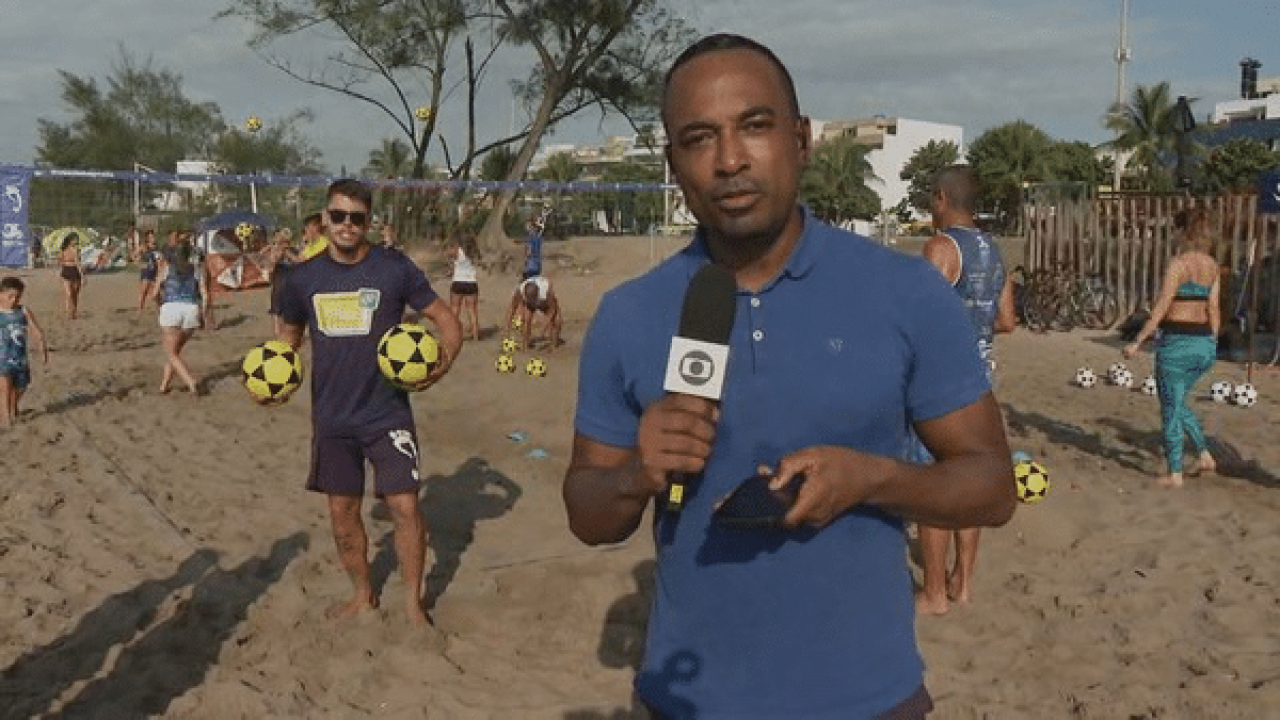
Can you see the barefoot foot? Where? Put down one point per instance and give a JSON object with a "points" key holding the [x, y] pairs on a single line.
{"points": [[931, 606], [350, 608], [1173, 480]]}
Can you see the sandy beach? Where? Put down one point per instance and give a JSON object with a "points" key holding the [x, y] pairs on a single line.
{"points": [[160, 557]]}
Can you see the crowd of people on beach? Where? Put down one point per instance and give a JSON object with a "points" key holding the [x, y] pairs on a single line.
{"points": [[848, 447]]}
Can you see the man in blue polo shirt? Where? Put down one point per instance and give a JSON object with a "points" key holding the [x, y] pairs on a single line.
{"points": [[839, 345]]}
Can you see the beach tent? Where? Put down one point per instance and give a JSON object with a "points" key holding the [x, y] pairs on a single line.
{"points": [[231, 242]]}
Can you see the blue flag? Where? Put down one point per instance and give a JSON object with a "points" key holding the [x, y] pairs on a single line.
{"points": [[15, 234]]}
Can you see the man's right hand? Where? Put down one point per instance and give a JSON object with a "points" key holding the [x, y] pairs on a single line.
{"points": [[675, 436]]}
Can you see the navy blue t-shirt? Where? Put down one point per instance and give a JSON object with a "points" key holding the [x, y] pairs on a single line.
{"points": [[347, 309]]}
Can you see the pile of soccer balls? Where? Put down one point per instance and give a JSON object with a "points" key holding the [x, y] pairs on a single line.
{"points": [[272, 372], [407, 354], [1032, 481], [1117, 375], [1243, 395], [506, 362]]}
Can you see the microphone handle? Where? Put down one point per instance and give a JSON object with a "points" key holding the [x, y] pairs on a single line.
{"points": [[676, 490]]}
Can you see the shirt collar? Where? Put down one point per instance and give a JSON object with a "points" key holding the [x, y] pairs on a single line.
{"points": [[804, 256]]}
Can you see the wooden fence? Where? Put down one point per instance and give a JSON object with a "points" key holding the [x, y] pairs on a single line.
{"points": [[1127, 240]]}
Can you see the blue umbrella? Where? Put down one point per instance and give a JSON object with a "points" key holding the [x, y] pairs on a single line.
{"points": [[229, 223]]}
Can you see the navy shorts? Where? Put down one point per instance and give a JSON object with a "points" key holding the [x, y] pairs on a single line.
{"points": [[19, 375], [337, 463]]}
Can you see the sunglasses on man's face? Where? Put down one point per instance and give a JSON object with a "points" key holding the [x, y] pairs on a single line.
{"points": [[337, 217]]}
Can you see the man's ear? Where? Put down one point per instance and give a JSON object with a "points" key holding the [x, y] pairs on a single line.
{"points": [[803, 133]]}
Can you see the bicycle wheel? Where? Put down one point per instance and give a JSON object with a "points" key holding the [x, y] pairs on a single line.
{"points": [[1102, 309]]}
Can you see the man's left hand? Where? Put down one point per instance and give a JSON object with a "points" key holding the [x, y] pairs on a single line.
{"points": [[835, 479]]}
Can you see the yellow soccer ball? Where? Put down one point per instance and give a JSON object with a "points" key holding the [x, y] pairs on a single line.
{"points": [[244, 231], [509, 346], [423, 113], [407, 354], [1032, 481], [536, 368], [272, 371], [505, 364], [253, 123]]}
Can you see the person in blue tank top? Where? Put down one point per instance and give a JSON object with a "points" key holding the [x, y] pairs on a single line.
{"points": [[1188, 316], [17, 323], [182, 287], [969, 259], [810, 616]]}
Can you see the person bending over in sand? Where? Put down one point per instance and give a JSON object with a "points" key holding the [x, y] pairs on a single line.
{"points": [[534, 295], [970, 260], [16, 324], [348, 297], [1189, 318]]}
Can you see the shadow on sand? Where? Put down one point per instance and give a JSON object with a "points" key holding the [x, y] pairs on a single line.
{"points": [[153, 664]]}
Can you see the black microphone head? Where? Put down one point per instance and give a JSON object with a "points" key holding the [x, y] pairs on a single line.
{"points": [[710, 304]]}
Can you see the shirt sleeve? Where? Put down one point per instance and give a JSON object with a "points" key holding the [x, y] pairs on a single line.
{"points": [[946, 371], [607, 412], [293, 306], [419, 293]]}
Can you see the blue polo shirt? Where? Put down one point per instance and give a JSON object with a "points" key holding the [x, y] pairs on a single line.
{"points": [[848, 345]]}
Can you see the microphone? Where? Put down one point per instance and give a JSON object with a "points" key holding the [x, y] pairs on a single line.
{"points": [[699, 354]]}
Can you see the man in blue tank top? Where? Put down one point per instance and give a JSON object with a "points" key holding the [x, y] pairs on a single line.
{"points": [[348, 297], [969, 259], [810, 616]]}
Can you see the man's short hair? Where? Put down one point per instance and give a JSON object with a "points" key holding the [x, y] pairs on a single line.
{"points": [[729, 41], [314, 218], [352, 188], [12, 283], [960, 184]]}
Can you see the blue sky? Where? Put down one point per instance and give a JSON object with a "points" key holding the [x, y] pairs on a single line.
{"points": [[974, 63]]}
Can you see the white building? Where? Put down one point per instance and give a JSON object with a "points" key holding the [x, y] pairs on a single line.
{"points": [[893, 142], [1266, 107]]}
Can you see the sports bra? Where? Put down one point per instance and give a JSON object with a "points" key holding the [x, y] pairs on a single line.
{"points": [[1190, 290]]}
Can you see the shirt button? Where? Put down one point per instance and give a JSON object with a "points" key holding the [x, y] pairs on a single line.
{"points": [[755, 302], [757, 335]]}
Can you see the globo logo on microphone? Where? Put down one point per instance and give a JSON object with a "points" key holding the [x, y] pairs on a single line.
{"points": [[695, 367]]}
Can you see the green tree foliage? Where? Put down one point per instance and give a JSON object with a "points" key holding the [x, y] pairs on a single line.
{"points": [[1144, 127], [497, 163], [139, 115], [607, 54], [834, 184], [1005, 159], [1236, 164], [392, 54], [393, 159], [923, 165], [1076, 161], [561, 167]]}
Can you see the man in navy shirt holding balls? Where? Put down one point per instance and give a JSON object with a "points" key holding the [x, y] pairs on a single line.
{"points": [[348, 298], [838, 347]]}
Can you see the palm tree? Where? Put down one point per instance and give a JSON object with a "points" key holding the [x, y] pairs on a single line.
{"points": [[1144, 127], [393, 159], [834, 184]]}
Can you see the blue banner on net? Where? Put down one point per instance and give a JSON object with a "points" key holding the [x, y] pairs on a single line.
{"points": [[1269, 192], [15, 234]]}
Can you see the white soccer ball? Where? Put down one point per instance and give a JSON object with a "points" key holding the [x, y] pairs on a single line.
{"points": [[1123, 378], [1245, 395], [1085, 378], [1115, 370], [1221, 391], [1149, 386]]}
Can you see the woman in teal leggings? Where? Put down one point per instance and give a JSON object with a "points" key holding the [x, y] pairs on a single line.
{"points": [[1188, 317]]}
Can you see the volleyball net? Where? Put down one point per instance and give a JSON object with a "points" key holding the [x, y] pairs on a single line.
{"points": [[107, 210]]}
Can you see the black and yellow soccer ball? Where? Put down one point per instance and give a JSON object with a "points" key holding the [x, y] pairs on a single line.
{"points": [[407, 354], [505, 364], [535, 368], [1032, 481], [510, 345], [272, 371]]}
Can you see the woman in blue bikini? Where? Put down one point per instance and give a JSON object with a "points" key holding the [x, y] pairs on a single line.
{"points": [[1188, 317]]}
